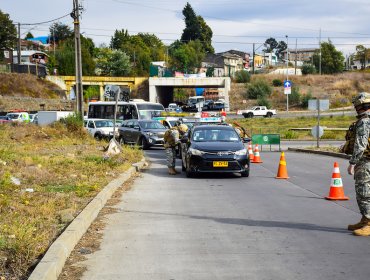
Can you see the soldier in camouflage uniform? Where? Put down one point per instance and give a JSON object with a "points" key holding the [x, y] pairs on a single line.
{"points": [[171, 139], [359, 164]]}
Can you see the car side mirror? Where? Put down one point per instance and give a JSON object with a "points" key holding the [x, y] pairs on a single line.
{"points": [[246, 140]]}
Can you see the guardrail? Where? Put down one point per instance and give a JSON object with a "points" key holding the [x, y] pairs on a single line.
{"points": [[266, 139]]}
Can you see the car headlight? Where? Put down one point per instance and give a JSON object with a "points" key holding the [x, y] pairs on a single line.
{"points": [[241, 152], [149, 133], [195, 152]]}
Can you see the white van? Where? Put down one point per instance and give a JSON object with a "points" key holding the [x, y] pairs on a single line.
{"points": [[19, 116], [196, 102]]}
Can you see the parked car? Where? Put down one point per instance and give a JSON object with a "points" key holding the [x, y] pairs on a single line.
{"points": [[208, 105], [5, 119], [33, 117], [100, 128], [214, 148], [144, 133], [173, 107], [257, 111]]}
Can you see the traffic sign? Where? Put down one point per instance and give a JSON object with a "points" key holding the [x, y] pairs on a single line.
{"points": [[287, 87], [316, 129]]}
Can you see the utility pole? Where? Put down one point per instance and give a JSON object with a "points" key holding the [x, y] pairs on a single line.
{"points": [[253, 60], [19, 46], [295, 64], [78, 61], [287, 71], [320, 53]]}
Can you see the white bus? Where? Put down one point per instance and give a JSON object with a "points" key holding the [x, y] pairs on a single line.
{"points": [[125, 110]]}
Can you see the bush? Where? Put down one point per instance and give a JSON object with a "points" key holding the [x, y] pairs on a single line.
{"points": [[290, 134], [308, 69], [258, 88], [295, 96], [242, 77], [304, 99], [262, 101], [277, 83]]}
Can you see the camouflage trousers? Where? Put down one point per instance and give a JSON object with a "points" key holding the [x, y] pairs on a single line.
{"points": [[171, 156], [362, 186]]}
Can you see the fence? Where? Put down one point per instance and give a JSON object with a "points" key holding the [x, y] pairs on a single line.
{"points": [[5, 68], [35, 69]]}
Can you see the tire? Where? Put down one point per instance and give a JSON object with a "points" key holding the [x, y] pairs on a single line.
{"points": [[245, 173], [189, 174], [250, 115], [98, 136], [143, 144], [269, 115], [183, 168], [245, 115]]}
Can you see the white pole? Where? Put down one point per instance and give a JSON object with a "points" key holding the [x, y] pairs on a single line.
{"points": [[287, 71]]}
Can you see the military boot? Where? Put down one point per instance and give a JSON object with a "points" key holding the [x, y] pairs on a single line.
{"points": [[364, 231], [359, 225], [172, 171]]}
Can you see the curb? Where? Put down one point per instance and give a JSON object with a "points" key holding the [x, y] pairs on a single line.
{"points": [[325, 153], [53, 261]]}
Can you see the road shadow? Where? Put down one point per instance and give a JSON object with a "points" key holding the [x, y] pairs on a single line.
{"points": [[251, 222]]}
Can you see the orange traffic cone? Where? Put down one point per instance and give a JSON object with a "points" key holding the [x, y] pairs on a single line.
{"points": [[257, 158], [250, 151], [282, 171], [336, 188]]}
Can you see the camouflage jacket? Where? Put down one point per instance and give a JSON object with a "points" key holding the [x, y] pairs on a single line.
{"points": [[361, 146]]}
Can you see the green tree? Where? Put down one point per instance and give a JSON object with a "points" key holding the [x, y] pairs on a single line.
{"points": [[362, 54], [28, 36], [188, 57], [8, 33], [60, 32], [270, 45], [332, 60], [282, 46], [112, 63], [65, 57], [196, 29], [295, 96], [92, 92]]}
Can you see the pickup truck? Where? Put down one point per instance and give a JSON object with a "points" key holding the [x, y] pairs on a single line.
{"points": [[257, 111]]}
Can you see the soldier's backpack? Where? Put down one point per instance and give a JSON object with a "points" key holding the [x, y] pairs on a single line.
{"points": [[171, 136], [350, 138]]}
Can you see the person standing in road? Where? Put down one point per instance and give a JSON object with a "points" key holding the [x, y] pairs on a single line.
{"points": [[358, 145], [171, 139]]}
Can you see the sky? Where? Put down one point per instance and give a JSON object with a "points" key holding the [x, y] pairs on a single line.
{"points": [[236, 24]]}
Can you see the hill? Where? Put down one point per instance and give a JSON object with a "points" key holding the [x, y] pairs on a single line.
{"points": [[27, 92], [339, 89]]}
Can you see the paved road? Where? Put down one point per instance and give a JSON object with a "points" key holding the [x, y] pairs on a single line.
{"points": [[228, 227], [283, 114]]}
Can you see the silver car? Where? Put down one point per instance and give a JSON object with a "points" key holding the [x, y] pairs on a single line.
{"points": [[144, 133]]}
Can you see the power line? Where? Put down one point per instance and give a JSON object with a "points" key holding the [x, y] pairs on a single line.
{"points": [[38, 23]]}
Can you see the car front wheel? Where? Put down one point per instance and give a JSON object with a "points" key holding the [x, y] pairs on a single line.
{"points": [[245, 173]]}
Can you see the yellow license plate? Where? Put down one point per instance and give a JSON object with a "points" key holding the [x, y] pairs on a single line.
{"points": [[220, 164]]}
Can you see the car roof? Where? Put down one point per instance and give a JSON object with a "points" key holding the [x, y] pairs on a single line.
{"points": [[210, 127]]}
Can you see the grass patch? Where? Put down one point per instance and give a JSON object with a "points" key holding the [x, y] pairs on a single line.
{"points": [[284, 126], [44, 172]]}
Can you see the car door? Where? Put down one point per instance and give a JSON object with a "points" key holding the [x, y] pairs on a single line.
{"points": [[126, 131], [91, 127], [136, 131]]}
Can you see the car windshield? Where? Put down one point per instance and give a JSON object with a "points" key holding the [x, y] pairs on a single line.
{"points": [[152, 125], [215, 135], [103, 123], [13, 116]]}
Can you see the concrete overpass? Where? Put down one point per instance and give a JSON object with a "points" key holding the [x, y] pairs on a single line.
{"points": [[67, 82], [161, 89]]}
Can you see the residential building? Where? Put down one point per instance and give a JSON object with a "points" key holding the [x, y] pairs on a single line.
{"points": [[270, 59], [224, 64]]}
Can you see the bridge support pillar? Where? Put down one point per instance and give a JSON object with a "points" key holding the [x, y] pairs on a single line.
{"points": [[101, 92]]}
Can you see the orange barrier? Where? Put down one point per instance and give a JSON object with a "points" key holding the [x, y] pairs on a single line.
{"points": [[257, 158], [250, 151], [336, 188], [282, 170]]}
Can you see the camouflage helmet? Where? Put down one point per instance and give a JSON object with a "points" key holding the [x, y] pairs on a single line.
{"points": [[361, 98], [183, 128]]}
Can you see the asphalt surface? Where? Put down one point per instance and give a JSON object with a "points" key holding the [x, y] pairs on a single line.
{"points": [[229, 227]]}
